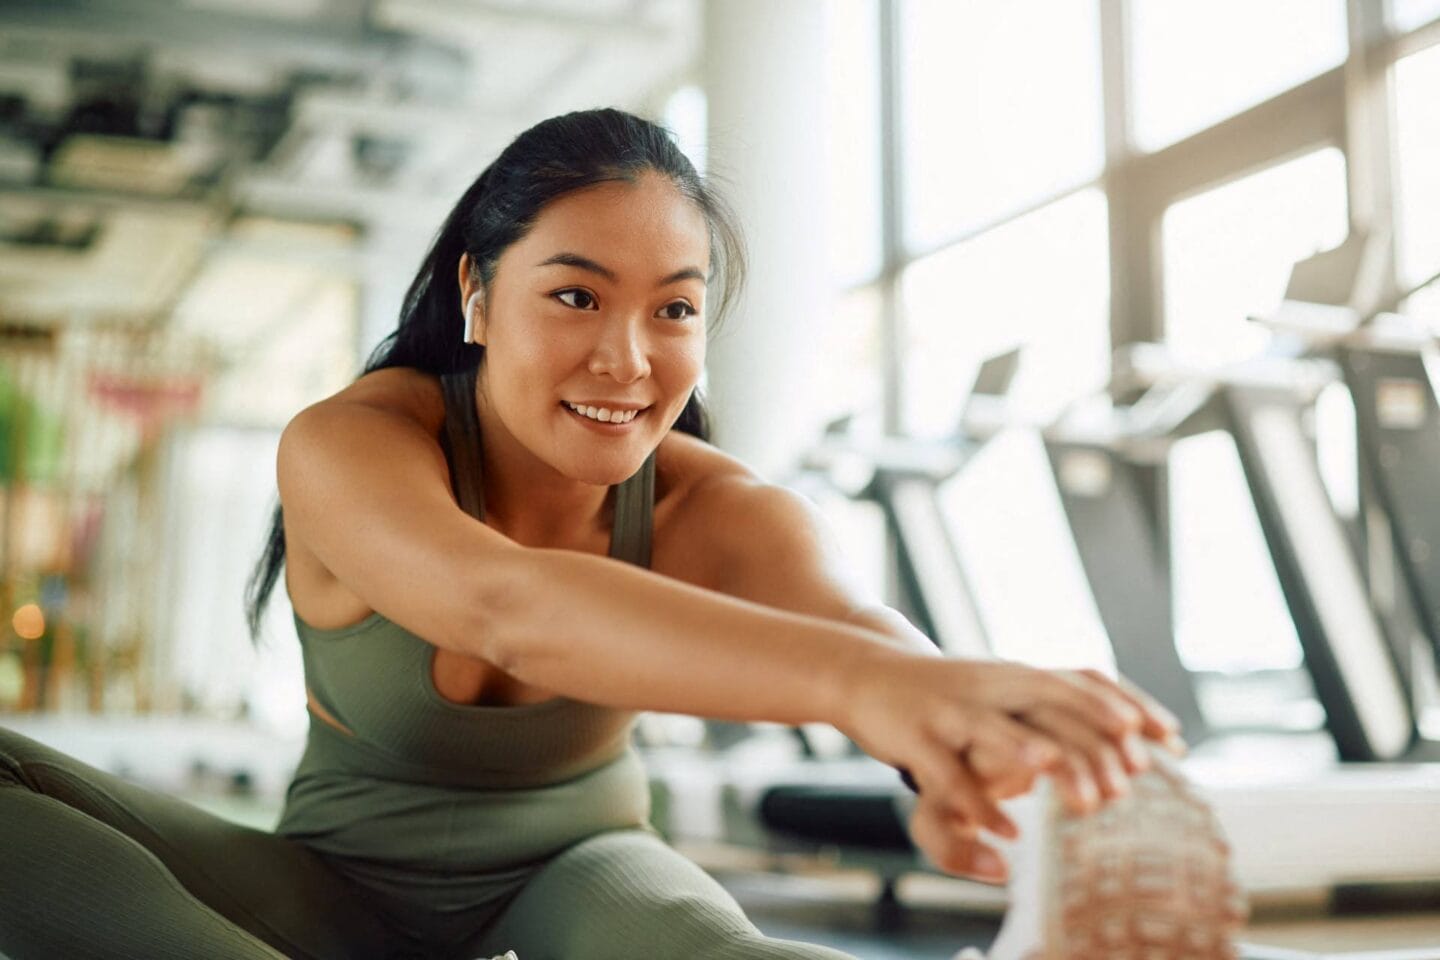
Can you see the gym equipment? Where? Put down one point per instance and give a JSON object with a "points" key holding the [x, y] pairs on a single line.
{"points": [[1295, 816], [901, 477]]}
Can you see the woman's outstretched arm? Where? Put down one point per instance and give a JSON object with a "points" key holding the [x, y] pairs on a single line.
{"points": [[366, 488], [769, 544]]}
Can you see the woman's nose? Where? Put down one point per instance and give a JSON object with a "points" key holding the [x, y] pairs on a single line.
{"points": [[621, 352]]}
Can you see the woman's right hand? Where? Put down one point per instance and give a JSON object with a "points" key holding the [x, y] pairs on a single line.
{"points": [[972, 732]]}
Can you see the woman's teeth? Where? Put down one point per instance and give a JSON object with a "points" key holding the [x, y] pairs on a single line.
{"points": [[603, 414]]}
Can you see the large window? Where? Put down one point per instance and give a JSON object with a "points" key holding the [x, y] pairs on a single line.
{"points": [[1425, 306], [1008, 230], [1417, 135], [1409, 14], [1229, 612], [1040, 282], [1228, 252], [1020, 558], [1001, 108], [1193, 63]]}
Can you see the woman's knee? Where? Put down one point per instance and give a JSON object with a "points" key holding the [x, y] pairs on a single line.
{"points": [[30, 765], [15, 752]]}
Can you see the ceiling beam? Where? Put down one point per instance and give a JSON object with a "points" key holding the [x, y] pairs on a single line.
{"points": [[340, 39], [450, 17]]}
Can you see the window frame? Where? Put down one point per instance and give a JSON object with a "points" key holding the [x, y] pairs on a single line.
{"points": [[1349, 107]]}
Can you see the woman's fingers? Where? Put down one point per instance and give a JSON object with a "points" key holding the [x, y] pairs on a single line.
{"points": [[1004, 755], [1089, 753], [943, 776], [1007, 756], [954, 845], [972, 732], [1101, 705], [1001, 778], [1031, 748], [1075, 781], [945, 781], [1156, 724], [1160, 724], [1114, 708]]}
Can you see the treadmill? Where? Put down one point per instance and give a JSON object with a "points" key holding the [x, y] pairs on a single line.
{"points": [[1099, 478], [1334, 310], [1393, 374], [1359, 806], [1363, 805]]}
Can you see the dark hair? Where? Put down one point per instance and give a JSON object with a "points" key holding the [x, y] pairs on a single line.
{"points": [[551, 159]]}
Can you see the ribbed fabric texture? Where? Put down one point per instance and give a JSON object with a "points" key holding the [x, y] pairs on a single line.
{"points": [[79, 898], [626, 894], [94, 867]]}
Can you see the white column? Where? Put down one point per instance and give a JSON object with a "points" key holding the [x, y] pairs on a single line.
{"points": [[764, 76]]}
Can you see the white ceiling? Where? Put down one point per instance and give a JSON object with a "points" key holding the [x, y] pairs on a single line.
{"points": [[382, 124], [204, 189], [207, 168]]}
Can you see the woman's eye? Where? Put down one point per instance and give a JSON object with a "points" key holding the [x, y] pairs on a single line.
{"points": [[678, 310], [579, 299]]}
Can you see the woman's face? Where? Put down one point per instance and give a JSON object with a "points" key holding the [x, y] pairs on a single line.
{"points": [[601, 306]]}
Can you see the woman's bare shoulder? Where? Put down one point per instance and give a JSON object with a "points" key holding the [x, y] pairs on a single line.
{"points": [[686, 468], [399, 390], [376, 532], [734, 532], [701, 493]]}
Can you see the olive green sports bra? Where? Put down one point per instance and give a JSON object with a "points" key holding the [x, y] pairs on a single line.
{"points": [[376, 712]]}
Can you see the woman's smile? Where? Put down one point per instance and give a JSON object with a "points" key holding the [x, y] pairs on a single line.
{"points": [[609, 421]]}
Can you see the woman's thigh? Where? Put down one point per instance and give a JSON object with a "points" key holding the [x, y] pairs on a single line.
{"points": [[627, 894], [271, 887]]}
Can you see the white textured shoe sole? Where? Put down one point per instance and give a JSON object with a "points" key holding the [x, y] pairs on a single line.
{"points": [[1145, 878]]}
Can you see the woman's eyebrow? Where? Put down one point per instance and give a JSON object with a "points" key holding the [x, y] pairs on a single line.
{"points": [[585, 263], [575, 260], [689, 273]]}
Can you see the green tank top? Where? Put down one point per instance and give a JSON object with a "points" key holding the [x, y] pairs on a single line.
{"points": [[401, 738]]}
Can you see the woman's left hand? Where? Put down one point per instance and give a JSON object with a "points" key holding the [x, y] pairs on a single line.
{"points": [[1088, 771], [952, 842]]}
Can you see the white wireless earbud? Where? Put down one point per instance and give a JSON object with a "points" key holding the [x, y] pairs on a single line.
{"points": [[470, 303]]}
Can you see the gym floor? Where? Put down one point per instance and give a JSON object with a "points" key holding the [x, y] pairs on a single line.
{"points": [[814, 903], [839, 912]]}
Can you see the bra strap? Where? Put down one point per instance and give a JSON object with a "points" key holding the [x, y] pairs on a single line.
{"points": [[634, 516]]}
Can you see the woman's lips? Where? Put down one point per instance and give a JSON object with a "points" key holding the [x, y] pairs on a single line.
{"points": [[610, 428]]}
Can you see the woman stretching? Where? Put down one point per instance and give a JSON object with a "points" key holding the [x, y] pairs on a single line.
{"points": [[503, 540]]}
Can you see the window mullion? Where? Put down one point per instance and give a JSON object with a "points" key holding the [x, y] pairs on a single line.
{"points": [[1134, 313], [1369, 140], [1303, 118], [892, 217]]}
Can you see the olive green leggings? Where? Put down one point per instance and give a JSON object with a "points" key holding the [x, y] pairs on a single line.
{"points": [[93, 867]]}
